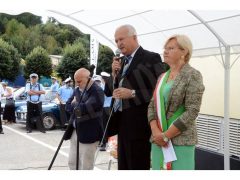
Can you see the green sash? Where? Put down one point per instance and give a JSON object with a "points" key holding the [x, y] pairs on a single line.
{"points": [[161, 112]]}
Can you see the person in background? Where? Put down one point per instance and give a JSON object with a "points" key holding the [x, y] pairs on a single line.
{"points": [[106, 109], [63, 94], [9, 109], [99, 81], [88, 125], [54, 87], [1, 93], [34, 91], [136, 75], [174, 108]]}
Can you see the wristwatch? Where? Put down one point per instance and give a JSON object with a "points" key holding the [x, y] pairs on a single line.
{"points": [[165, 138], [133, 93]]}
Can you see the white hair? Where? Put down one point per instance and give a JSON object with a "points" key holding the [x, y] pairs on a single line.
{"points": [[131, 30]]}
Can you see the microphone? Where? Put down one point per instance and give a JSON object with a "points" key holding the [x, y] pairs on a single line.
{"points": [[118, 54], [118, 58]]}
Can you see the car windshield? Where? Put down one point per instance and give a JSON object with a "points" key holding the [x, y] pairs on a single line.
{"points": [[19, 92]]}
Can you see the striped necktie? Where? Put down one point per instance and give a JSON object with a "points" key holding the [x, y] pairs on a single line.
{"points": [[118, 102], [126, 65]]}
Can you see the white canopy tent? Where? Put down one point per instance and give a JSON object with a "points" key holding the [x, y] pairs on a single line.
{"points": [[212, 33]]}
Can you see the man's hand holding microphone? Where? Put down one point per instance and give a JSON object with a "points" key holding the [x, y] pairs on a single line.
{"points": [[116, 64], [121, 92]]}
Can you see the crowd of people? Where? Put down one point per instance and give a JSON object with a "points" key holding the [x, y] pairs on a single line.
{"points": [[149, 104]]}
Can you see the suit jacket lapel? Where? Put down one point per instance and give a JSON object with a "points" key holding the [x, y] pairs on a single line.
{"points": [[135, 61]]}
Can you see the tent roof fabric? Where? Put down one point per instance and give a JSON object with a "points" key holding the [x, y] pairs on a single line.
{"points": [[155, 26]]}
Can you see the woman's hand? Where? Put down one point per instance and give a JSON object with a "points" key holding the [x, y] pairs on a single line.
{"points": [[158, 138], [157, 134]]}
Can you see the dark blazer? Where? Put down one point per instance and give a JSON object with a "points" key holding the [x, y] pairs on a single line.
{"points": [[141, 76], [89, 127]]}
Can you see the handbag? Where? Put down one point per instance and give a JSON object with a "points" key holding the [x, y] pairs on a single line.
{"points": [[9, 102]]}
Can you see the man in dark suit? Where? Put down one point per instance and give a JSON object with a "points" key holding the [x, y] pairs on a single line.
{"points": [[88, 126], [134, 77]]}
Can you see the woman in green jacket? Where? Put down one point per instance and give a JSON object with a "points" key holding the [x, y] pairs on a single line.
{"points": [[174, 108]]}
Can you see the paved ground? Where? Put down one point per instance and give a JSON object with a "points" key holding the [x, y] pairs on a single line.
{"points": [[21, 151]]}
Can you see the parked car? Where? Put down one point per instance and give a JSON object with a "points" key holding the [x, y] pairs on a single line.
{"points": [[51, 114]]}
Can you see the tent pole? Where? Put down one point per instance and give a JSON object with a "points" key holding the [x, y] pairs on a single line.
{"points": [[226, 108], [226, 89]]}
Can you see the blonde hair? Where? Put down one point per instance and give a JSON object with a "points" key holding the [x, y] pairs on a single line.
{"points": [[184, 43]]}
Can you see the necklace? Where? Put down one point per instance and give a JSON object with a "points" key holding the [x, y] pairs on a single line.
{"points": [[171, 76]]}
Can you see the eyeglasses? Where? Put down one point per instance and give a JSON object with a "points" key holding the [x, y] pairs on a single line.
{"points": [[170, 49]]}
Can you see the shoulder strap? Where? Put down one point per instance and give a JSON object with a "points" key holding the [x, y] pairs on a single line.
{"points": [[38, 89], [30, 89]]}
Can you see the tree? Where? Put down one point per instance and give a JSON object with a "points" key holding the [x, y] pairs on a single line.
{"points": [[72, 32], [85, 41], [28, 19], [50, 44], [74, 57], [25, 32], [105, 56], [17, 34], [9, 61], [38, 62]]}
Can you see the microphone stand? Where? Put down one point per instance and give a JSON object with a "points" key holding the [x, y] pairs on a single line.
{"points": [[69, 127], [115, 86]]}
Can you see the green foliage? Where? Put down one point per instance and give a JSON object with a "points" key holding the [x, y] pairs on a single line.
{"points": [[38, 62], [74, 57], [17, 34], [3, 22], [27, 19], [105, 57], [85, 41], [26, 32], [50, 44], [9, 61], [57, 51]]}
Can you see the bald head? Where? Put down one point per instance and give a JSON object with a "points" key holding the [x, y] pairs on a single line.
{"points": [[82, 72], [81, 77]]}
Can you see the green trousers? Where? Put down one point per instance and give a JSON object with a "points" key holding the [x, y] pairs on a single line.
{"points": [[185, 157]]}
